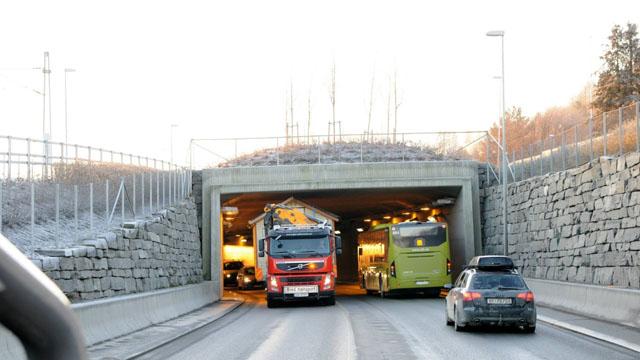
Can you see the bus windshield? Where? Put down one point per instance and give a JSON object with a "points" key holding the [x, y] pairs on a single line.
{"points": [[299, 247], [419, 235]]}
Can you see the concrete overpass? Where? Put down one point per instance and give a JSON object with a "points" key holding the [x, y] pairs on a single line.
{"points": [[349, 190]]}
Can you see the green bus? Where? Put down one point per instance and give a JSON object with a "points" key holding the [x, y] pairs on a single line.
{"points": [[405, 257]]}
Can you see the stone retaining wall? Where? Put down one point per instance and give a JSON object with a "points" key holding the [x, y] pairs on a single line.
{"points": [[145, 255], [580, 225]]}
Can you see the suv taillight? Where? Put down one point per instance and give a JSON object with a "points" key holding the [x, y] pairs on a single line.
{"points": [[526, 296], [392, 269], [470, 295]]}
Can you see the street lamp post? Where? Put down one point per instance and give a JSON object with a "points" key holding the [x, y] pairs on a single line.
{"points": [[505, 176], [66, 124]]}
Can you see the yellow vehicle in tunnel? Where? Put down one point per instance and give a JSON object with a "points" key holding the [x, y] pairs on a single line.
{"points": [[405, 257]]}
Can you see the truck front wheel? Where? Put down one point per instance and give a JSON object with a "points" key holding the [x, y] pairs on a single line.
{"points": [[330, 300]]}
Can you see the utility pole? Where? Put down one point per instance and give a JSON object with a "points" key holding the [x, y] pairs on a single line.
{"points": [[66, 124]]}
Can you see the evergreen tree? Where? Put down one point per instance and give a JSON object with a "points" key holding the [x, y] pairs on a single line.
{"points": [[619, 82]]}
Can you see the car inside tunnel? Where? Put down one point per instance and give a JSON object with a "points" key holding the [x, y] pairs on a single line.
{"points": [[351, 211]]}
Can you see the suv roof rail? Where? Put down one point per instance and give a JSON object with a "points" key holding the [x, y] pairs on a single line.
{"points": [[491, 262]]}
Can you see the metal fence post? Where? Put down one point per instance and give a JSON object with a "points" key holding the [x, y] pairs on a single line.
{"points": [[142, 192], [46, 159], [575, 137], [541, 151], [106, 199], [91, 208], [75, 211], [531, 160], [563, 149], [121, 192], [604, 133], [590, 137], [163, 197], [170, 187], [9, 158], [150, 193], [157, 188], [28, 160], [620, 133], [33, 210], [638, 126], [486, 138], [513, 160], [58, 212], [522, 162], [553, 144], [133, 189]]}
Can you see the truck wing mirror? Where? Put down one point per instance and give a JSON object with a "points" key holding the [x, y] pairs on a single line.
{"points": [[338, 245], [261, 248], [35, 309], [360, 251]]}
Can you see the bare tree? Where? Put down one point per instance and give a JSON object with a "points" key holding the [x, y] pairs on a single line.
{"points": [[332, 97], [369, 133], [309, 117], [396, 104]]}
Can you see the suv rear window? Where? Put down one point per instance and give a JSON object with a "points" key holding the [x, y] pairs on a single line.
{"points": [[485, 281]]}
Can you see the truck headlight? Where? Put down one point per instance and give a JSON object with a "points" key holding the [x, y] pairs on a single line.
{"points": [[327, 281], [247, 280], [273, 282]]}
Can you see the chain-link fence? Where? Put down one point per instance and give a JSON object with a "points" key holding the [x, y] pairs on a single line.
{"points": [[48, 199], [611, 133]]}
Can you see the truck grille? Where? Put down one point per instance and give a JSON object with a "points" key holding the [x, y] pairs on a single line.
{"points": [[300, 266], [300, 279]]}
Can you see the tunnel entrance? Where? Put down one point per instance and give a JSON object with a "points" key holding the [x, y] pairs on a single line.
{"points": [[352, 211], [355, 193]]}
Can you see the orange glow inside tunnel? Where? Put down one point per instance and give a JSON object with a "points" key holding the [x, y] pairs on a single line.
{"points": [[239, 253]]}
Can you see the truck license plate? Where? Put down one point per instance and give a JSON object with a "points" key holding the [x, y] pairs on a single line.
{"points": [[301, 290], [499, 301]]}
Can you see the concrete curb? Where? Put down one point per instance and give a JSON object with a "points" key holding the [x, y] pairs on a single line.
{"points": [[238, 301], [590, 333]]}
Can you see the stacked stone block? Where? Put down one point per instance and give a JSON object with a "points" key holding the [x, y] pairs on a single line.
{"points": [[145, 255], [580, 225]]}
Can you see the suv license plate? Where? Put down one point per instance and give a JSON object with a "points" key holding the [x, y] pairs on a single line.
{"points": [[499, 301]]}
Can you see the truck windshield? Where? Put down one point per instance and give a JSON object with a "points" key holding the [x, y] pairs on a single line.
{"points": [[299, 247]]}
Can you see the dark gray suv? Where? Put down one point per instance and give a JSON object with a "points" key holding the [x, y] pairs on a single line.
{"points": [[491, 292]]}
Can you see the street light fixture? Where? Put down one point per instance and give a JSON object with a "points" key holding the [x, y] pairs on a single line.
{"points": [[505, 177]]}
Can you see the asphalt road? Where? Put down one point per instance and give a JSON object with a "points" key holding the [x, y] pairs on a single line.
{"points": [[368, 327]]}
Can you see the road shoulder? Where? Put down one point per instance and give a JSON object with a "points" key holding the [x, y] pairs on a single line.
{"points": [[616, 334], [145, 340]]}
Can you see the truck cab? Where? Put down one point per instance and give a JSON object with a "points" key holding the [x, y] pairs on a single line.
{"points": [[300, 263]]}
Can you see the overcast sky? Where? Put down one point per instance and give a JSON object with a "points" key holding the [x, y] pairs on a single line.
{"points": [[223, 69]]}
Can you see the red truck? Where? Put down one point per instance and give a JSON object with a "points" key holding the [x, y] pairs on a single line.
{"points": [[300, 257]]}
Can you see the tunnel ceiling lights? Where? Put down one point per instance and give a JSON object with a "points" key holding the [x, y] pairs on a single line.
{"points": [[230, 211], [359, 229], [367, 220]]}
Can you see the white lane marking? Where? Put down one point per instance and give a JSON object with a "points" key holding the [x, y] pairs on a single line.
{"points": [[351, 352], [594, 334]]}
